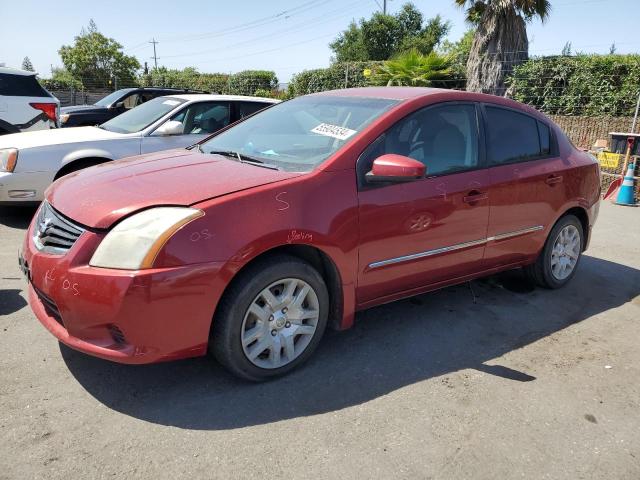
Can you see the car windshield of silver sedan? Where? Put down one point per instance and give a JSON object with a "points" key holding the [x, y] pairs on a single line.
{"points": [[300, 134], [142, 116]]}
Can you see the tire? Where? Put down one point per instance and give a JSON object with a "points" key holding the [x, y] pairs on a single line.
{"points": [[257, 340], [547, 270]]}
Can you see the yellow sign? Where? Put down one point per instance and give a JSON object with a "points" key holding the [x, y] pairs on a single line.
{"points": [[609, 160]]}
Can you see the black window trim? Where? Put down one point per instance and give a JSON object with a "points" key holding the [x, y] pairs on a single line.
{"points": [[553, 143], [362, 183]]}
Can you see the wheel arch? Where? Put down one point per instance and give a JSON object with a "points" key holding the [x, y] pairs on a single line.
{"points": [[317, 258], [581, 214], [79, 163]]}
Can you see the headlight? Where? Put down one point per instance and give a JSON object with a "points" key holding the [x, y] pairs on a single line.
{"points": [[8, 159], [134, 243], [64, 117]]}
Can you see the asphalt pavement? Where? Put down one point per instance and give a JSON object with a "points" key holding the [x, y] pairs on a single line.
{"points": [[492, 379]]}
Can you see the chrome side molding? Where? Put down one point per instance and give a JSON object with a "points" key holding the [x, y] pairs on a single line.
{"points": [[453, 248]]}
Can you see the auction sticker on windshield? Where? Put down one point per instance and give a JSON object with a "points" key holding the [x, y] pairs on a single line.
{"points": [[334, 131]]}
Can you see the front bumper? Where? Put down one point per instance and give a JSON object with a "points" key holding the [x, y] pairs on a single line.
{"points": [[23, 187], [125, 316]]}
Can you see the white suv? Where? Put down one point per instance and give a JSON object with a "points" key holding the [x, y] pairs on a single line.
{"points": [[24, 104]]}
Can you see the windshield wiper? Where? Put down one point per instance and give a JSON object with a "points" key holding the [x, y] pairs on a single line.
{"points": [[242, 158]]}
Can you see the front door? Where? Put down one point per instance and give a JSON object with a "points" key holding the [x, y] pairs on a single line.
{"points": [[199, 120], [430, 230]]}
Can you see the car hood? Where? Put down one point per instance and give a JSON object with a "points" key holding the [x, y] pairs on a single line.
{"points": [[83, 108], [57, 136], [99, 196]]}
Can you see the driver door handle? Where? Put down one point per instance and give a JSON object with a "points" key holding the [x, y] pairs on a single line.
{"points": [[553, 179], [475, 196]]}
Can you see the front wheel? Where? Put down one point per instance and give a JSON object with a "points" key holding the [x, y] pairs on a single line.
{"points": [[558, 261], [271, 319]]}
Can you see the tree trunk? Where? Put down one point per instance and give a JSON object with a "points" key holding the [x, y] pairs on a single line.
{"points": [[500, 43]]}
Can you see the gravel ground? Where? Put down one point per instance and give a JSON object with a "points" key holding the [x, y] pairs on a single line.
{"points": [[486, 380]]}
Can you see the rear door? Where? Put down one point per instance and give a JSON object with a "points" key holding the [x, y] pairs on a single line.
{"points": [[429, 230], [199, 120], [526, 184]]}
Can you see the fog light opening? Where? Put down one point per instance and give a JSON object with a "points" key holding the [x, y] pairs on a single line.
{"points": [[117, 335]]}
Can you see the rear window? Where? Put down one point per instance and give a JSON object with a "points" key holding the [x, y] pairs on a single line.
{"points": [[21, 86], [515, 137], [247, 108], [545, 139]]}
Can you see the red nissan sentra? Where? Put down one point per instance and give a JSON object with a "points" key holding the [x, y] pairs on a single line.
{"points": [[251, 243]]}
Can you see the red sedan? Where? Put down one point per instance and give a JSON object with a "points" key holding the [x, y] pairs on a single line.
{"points": [[251, 243]]}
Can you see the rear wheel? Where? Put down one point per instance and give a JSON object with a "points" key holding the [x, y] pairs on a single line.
{"points": [[271, 320], [558, 261]]}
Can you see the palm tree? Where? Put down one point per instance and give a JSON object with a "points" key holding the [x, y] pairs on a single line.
{"points": [[411, 68], [500, 42]]}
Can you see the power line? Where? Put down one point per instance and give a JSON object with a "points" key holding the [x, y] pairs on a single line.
{"points": [[325, 18], [283, 15]]}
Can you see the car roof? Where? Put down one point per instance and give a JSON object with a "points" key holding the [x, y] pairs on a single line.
{"points": [[194, 97], [15, 71], [403, 94], [391, 93]]}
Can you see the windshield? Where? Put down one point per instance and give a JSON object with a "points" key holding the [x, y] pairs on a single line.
{"points": [[302, 133], [142, 116], [109, 99]]}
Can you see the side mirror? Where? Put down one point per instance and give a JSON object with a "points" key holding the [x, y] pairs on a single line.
{"points": [[171, 127], [117, 106], [396, 168]]}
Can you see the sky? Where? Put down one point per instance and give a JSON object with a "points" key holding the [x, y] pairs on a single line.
{"points": [[286, 36]]}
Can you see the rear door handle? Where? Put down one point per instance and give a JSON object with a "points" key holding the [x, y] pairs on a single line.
{"points": [[553, 179], [475, 196]]}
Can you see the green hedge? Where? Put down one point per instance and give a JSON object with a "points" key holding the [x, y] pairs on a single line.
{"points": [[241, 83], [579, 85], [186, 78], [248, 82], [338, 75]]}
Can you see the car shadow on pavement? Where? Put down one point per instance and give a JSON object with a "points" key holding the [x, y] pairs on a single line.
{"points": [[390, 347], [11, 301], [18, 216]]}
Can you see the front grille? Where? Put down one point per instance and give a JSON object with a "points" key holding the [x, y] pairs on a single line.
{"points": [[54, 233], [49, 306]]}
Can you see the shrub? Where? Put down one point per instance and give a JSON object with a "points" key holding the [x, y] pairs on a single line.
{"points": [[60, 80], [579, 85], [249, 81], [187, 78], [414, 69], [338, 75]]}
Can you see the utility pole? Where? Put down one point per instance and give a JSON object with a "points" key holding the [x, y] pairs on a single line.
{"points": [[384, 6], [155, 57], [635, 117]]}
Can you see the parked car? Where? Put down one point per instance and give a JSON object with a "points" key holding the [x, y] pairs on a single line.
{"points": [[249, 245], [25, 105], [113, 105], [29, 162]]}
